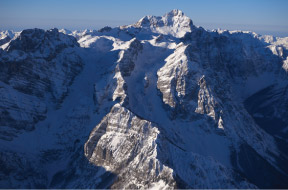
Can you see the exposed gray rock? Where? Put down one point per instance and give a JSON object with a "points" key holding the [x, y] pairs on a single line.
{"points": [[126, 145], [36, 67], [174, 106]]}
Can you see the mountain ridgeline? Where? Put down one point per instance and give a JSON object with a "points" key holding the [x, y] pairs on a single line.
{"points": [[160, 104]]}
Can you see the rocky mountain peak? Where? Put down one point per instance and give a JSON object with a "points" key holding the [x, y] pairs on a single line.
{"points": [[157, 104], [41, 41], [175, 23], [174, 13]]}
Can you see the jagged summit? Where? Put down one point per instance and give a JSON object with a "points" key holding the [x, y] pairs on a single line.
{"points": [[6, 36], [46, 43], [65, 31], [141, 106], [175, 13], [175, 23]]}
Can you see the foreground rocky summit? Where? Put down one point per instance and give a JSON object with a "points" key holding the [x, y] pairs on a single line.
{"points": [[157, 104]]}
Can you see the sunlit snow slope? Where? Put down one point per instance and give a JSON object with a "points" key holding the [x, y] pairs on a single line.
{"points": [[157, 104]]}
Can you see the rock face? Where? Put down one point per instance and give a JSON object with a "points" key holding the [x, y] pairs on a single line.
{"points": [[125, 144], [36, 67], [6, 36], [174, 23], [157, 104]]}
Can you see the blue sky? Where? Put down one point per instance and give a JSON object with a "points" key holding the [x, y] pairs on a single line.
{"points": [[262, 16]]}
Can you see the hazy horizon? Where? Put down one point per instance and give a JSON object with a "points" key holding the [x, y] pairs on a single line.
{"points": [[263, 17]]}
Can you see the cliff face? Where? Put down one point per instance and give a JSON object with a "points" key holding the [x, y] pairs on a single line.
{"points": [[160, 103], [37, 68]]}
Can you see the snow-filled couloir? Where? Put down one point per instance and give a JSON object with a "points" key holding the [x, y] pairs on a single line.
{"points": [[156, 104]]}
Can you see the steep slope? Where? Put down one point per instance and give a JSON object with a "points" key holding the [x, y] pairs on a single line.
{"points": [[167, 105], [205, 78], [36, 67], [52, 152], [174, 23], [6, 37], [125, 144]]}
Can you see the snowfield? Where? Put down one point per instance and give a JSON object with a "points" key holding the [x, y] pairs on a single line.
{"points": [[159, 104]]}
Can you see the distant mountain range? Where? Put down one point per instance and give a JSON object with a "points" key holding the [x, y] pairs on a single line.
{"points": [[157, 104]]}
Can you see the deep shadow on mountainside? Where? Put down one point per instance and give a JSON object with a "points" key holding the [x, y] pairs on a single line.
{"points": [[160, 103]]}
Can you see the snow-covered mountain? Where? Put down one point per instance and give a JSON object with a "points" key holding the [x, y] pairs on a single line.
{"points": [[157, 104]]}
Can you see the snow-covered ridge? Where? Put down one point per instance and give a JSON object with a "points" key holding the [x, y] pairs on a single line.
{"points": [[6, 36], [119, 132], [174, 23], [155, 104], [36, 66]]}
